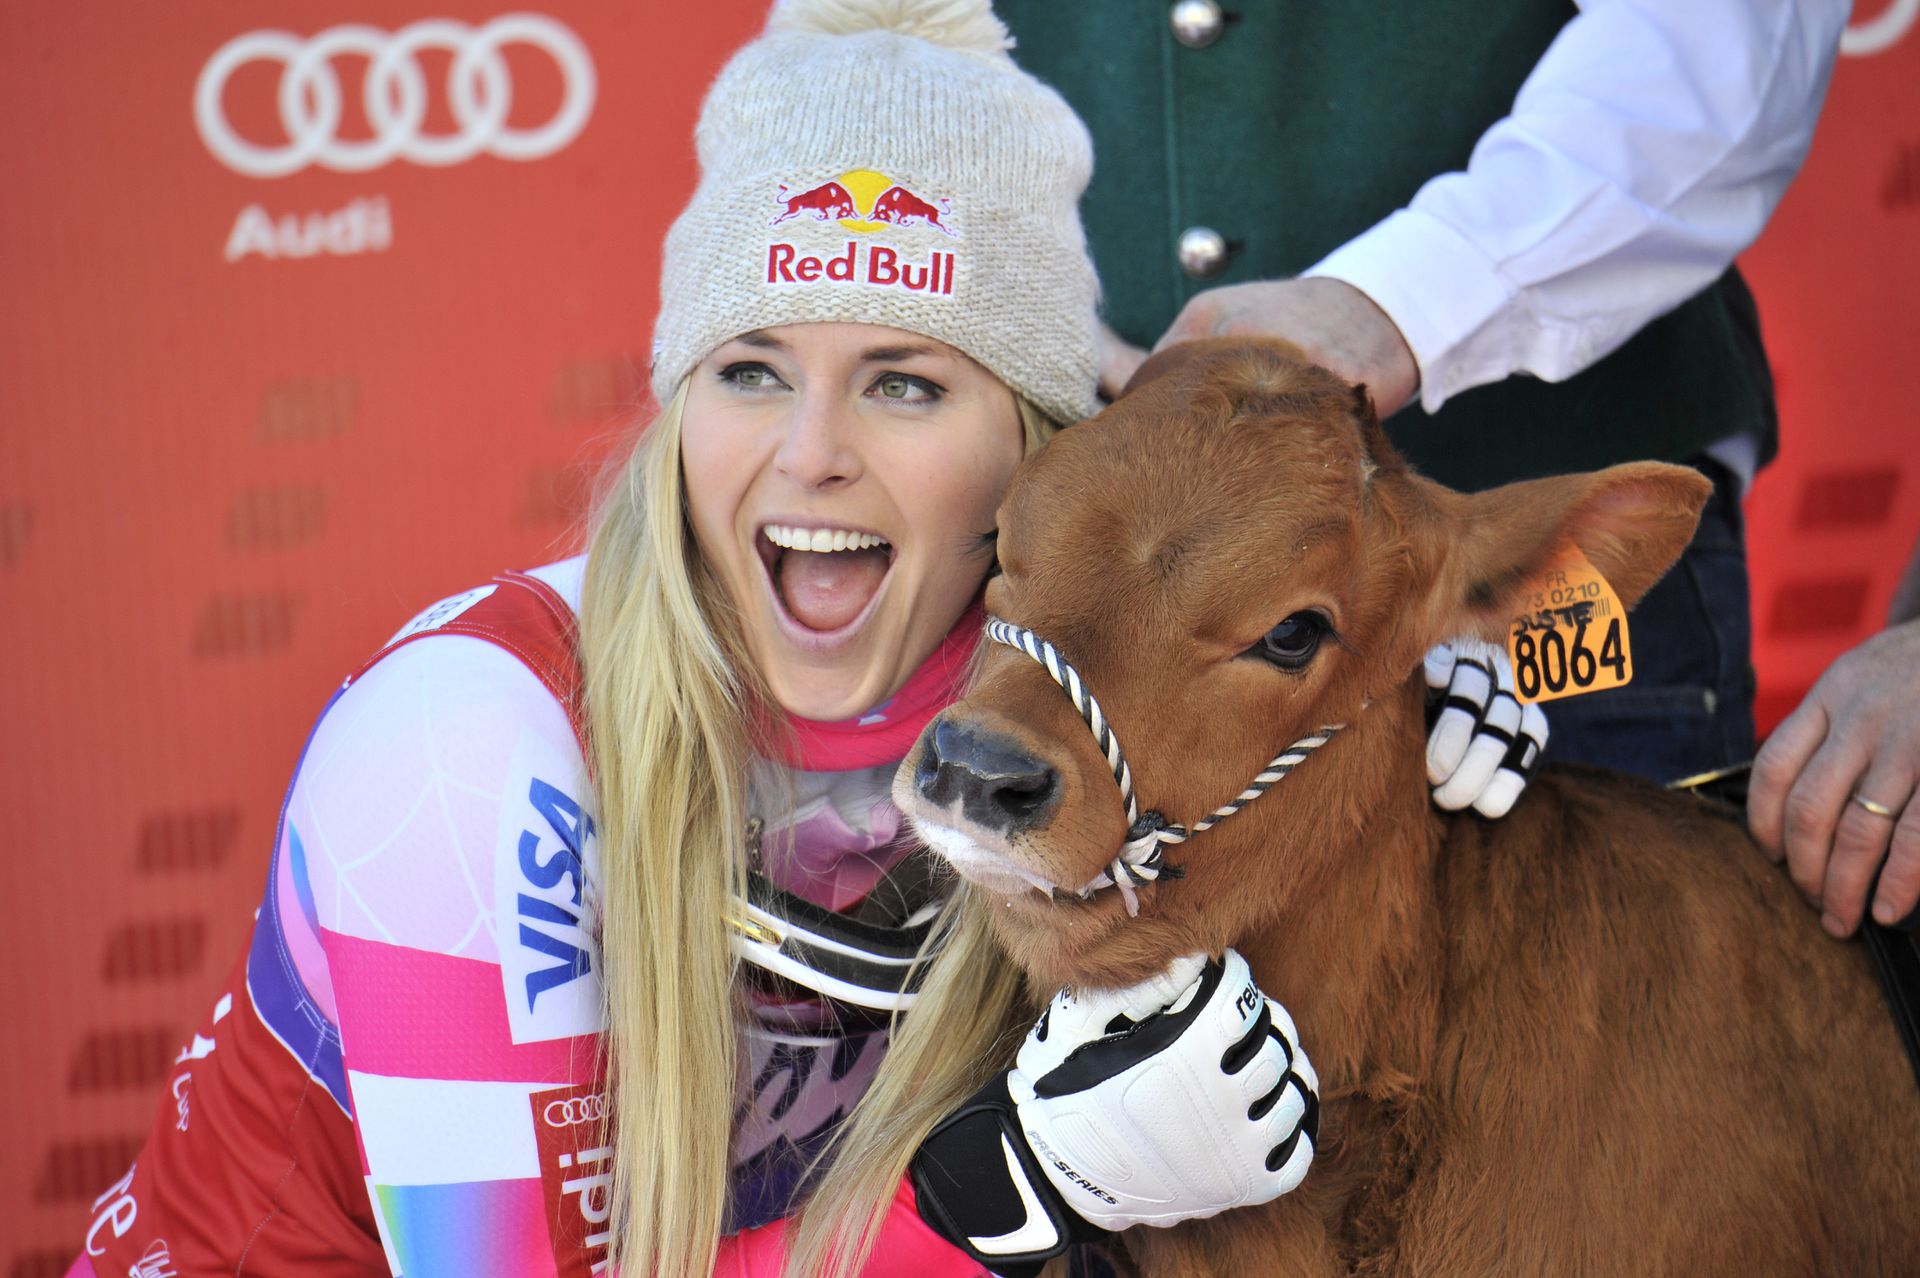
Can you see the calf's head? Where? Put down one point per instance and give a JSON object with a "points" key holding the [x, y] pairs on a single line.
{"points": [[1230, 557]]}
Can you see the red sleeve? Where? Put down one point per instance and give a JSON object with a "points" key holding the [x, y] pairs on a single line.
{"points": [[907, 1245]]}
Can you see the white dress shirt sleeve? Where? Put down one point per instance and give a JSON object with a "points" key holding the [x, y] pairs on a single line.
{"points": [[1646, 149]]}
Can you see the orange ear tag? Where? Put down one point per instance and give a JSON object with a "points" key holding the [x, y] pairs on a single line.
{"points": [[1570, 636]]}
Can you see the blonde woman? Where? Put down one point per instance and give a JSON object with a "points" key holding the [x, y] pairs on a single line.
{"points": [[493, 1018], [589, 914]]}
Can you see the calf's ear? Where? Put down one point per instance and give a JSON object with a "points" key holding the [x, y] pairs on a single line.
{"points": [[1630, 521]]}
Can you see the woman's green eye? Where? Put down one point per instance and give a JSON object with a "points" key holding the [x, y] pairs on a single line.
{"points": [[904, 388], [750, 375]]}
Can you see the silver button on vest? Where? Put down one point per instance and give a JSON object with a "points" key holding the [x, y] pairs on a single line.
{"points": [[1202, 251], [1196, 23]]}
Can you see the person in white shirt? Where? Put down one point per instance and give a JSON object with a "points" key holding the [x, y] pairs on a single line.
{"points": [[1514, 223]]}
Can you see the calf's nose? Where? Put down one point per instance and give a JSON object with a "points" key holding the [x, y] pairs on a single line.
{"points": [[998, 785]]}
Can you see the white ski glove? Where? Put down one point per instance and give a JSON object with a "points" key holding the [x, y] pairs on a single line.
{"points": [[1485, 746], [1167, 1101]]}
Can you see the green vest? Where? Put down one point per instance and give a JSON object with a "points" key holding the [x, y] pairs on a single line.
{"points": [[1305, 123]]}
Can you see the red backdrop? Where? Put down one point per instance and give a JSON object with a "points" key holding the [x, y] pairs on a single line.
{"points": [[258, 410], [1834, 519]]}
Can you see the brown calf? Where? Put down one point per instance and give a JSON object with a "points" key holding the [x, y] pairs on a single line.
{"points": [[1600, 1036]]}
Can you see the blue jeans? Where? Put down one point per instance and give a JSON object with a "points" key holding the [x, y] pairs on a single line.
{"points": [[1689, 708]]}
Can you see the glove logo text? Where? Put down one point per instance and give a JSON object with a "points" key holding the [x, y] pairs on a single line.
{"points": [[1065, 1169]]}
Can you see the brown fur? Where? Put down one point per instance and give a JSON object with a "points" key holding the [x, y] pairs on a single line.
{"points": [[1599, 1036]]}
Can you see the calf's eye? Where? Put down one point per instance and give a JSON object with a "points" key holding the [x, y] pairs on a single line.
{"points": [[1291, 644]]}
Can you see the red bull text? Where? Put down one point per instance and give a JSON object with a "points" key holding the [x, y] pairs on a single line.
{"points": [[874, 265]]}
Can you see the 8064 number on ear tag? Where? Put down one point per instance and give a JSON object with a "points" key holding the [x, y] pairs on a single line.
{"points": [[1571, 635]]}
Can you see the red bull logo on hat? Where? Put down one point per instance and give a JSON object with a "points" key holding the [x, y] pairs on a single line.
{"points": [[863, 201]]}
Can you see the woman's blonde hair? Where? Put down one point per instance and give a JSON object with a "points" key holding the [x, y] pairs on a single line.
{"points": [[669, 698], [965, 1025]]}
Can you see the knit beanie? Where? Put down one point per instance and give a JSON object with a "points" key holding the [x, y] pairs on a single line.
{"points": [[885, 162]]}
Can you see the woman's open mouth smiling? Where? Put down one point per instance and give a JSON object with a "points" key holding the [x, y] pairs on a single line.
{"points": [[825, 580]]}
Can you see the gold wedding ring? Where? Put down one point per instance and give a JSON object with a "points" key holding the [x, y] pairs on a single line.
{"points": [[1878, 809]]}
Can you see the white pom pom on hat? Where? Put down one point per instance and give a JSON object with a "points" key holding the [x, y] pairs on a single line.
{"points": [[885, 162], [968, 25]]}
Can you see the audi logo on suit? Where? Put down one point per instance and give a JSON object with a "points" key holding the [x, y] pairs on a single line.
{"points": [[575, 1110]]}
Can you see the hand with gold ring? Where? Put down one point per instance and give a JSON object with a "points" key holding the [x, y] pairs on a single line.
{"points": [[1833, 788]]}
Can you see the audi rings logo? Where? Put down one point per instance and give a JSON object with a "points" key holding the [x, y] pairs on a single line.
{"points": [[575, 1110], [479, 92]]}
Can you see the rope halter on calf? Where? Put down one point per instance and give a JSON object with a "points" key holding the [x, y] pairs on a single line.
{"points": [[1142, 857]]}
